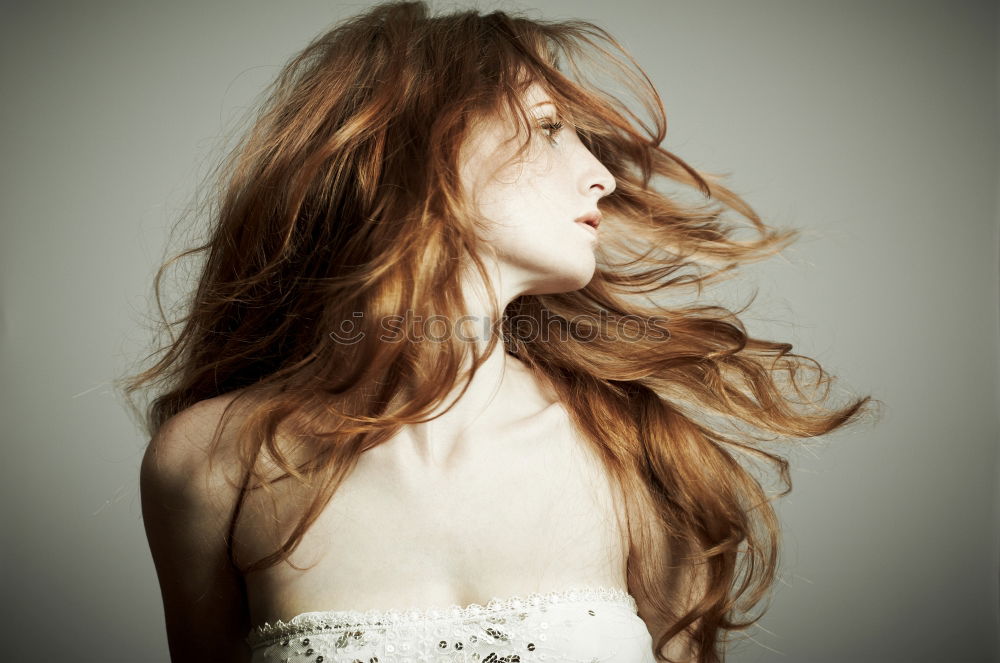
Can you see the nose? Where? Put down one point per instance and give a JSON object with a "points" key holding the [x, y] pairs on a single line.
{"points": [[596, 177]]}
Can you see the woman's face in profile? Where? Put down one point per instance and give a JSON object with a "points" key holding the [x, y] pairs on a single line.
{"points": [[532, 204]]}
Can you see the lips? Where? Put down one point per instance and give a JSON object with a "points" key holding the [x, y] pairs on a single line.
{"points": [[592, 219]]}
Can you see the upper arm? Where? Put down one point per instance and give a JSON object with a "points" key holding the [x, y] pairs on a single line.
{"points": [[186, 511]]}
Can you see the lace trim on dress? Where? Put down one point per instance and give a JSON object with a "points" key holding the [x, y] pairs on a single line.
{"points": [[324, 620]]}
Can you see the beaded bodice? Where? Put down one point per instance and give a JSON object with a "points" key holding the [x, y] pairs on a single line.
{"points": [[582, 625]]}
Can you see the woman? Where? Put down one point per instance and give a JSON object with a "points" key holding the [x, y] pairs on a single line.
{"points": [[418, 411]]}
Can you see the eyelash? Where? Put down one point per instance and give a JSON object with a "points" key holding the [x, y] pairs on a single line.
{"points": [[554, 127]]}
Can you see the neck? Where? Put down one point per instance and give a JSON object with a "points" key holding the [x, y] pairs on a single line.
{"points": [[494, 395]]}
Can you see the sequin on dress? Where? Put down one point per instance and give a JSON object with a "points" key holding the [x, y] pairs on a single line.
{"points": [[581, 625]]}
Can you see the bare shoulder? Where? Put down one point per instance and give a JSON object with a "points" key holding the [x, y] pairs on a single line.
{"points": [[186, 506], [180, 450], [182, 444]]}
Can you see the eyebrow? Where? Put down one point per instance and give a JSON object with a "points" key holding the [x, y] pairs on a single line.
{"points": [[542, 103]]}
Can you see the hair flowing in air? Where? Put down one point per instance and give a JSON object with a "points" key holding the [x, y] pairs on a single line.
{"points": [[343, 198]]}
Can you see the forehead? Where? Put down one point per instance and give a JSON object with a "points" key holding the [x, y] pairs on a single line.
{"points": [[535, 94]]}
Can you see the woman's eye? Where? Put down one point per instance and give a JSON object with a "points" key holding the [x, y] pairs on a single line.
{"points": [[551, 128]]}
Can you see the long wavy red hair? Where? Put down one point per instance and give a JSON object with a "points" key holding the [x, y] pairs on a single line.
{"points": [[343, 198]]}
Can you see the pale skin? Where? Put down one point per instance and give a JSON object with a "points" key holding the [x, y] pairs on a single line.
{"points": [[497, 497]]}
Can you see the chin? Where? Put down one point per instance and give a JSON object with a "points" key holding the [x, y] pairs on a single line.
{"points": [[583, 279], [581, 273]]}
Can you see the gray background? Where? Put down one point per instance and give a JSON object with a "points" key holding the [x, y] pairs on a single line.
{"points": [[870, 125]]}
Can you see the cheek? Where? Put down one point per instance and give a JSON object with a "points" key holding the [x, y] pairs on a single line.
{"points": [[520, 244], [518, 210], [530, 220], [525, 227]]}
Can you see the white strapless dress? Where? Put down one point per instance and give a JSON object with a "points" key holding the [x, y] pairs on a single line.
{"points": [[581, 625]]}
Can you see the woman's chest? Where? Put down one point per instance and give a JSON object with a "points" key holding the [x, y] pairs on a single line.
{"points": [[532, 512]]}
